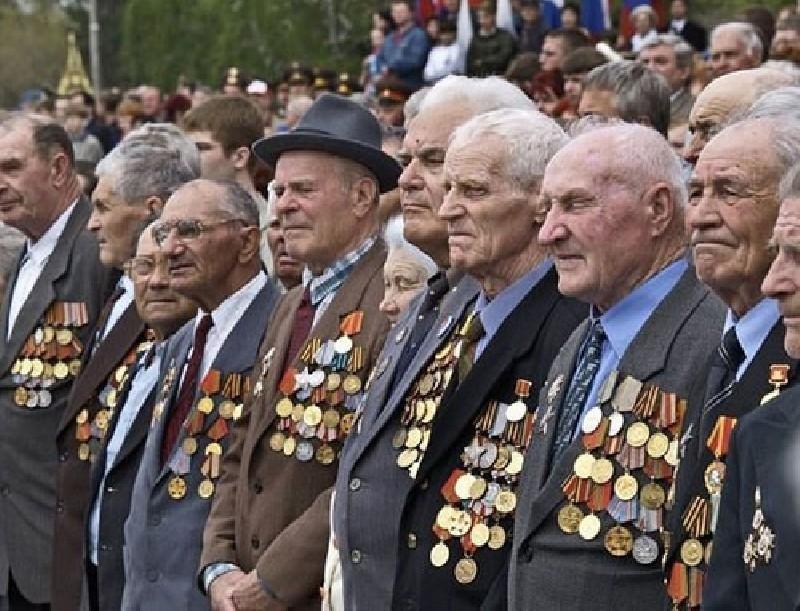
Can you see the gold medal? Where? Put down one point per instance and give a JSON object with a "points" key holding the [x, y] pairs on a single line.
{"points": [[671, 457], [206, 489], [461, 523], [205, 405], [189, 445], [101, 419], [506, 501], [589, 527], [407, 458], [652, 496], [177, 488], [63, 337], [444, 517], [325, 454], [626, 487], [479, 534], [331, 418], [637, 434], [477, 488], [351, 384], [276, 441], [289, 445], [413, 437], [425, 385], [333, 381], [284, 407], [657, 445], [714, 476], [37, 368], [83, 451], [466, 570], [21, 396], [297, 412], [602, 471], [226, 409], [618, 541], [463, 484], [514, 466], [569, 518], [312, 415], [692, 552], [60, 370], [25, 366], [82, 417], [49, 334], [583, 465], [497, 537], [440, 554]]}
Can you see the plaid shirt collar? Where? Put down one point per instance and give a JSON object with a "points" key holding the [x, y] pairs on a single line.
{"points": [[332, 277]]}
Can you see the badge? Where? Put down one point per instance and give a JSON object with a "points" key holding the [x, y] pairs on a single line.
{"points": [[761, 541]]}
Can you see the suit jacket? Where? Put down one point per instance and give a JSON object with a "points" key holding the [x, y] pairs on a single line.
{"points": [[763, 456], [73, 490], [669, 351], [163, 535], [28, 506], [698, 424], [693, 33], [271, 510]]}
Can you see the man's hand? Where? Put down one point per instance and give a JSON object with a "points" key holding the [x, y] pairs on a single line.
{"points": [[221, 589], [249, 595]]}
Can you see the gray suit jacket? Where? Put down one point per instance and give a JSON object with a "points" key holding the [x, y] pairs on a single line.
{"points": [[378, 516], [552, 570], [73, 273], [163, 536]]}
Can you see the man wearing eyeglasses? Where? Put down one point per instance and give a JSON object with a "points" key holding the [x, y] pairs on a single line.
{"points": [[134, 181], [209, 235]]}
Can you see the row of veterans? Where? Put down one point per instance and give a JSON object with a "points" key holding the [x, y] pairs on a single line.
{"points": [[548, 426]]}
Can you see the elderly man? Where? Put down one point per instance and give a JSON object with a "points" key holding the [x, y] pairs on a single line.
{"points": [[733, 204], [134, 181], [671, 57], [754, 563], [629, 91], [734, 46], [620, 380], [48, 312], [267, 534], [209, 234], [722, 99]]}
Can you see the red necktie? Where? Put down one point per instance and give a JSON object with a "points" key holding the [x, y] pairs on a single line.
{"points": [[303, 321], [180, 409]]}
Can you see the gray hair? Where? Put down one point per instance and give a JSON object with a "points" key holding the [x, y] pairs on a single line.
{"points": [[413, 104], [640, 92], [167, 135], [11, 241], [785, 66], [137, 170], [395, 240], [684, 53], [238, 202], [747, 33], [790, 184], [479, 94], [530, 140], [781, 103]]}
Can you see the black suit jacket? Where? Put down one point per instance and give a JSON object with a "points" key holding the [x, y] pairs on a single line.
{"points": [[765, 452], [524, 347], [693, 33]]}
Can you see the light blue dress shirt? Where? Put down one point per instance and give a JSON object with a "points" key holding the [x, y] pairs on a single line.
{"points": [[752, 329]]}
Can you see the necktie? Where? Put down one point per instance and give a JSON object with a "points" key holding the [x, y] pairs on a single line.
{"points": [[579, 389], [722, 375], [188, 388], [303, 321], [471, 332]]}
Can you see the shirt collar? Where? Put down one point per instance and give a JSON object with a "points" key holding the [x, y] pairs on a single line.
{"points": [[754, 326], [332, 277], [225, 315], [40, 250], [623, 321]]}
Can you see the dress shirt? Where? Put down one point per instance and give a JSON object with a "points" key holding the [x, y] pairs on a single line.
{"points": [[493, 312], [677, 25], [142, 384], [623, 321], [752, 329], [36, 256], [324, 286], [122, 303]]}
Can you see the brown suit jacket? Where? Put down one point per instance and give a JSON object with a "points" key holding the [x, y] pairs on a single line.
{"points": [[270, 511]]}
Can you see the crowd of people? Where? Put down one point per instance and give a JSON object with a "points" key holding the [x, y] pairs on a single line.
{"points": [[516, 334]]}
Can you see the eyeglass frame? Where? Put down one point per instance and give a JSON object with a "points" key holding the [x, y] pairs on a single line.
{"points": [[201, 228]]}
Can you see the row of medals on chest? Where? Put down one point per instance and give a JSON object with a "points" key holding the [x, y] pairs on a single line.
{"points": [[480, 496], [229, 394], [645, 445], [329, 382], [50, 354]]}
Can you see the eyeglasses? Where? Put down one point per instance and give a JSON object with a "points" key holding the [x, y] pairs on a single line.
{"points": [[186, 230]]}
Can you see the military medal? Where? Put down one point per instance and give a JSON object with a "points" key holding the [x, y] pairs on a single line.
{"points": [[761, 541], [176, 488], [440, 554], [778, 377], [645, 549], [691, 552], [714, 475], [618, 541], [589, 527], [569, 518], [466, 570]]}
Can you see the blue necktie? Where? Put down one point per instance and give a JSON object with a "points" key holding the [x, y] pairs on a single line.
{"points": [[579, 389]]}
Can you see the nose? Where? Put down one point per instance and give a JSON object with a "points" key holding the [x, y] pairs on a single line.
{"points": [[703, 213], [553, 228], [410, 179], [693, 147], [94, 223], [450, 208], [388, 304], [159, 278], [171, 245], [778, 279]]}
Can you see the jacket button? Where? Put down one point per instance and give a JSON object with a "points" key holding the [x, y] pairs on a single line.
{"points": [[110, 489], [60, 506], [355, 556], [257, 487], [62, 457], [254, 541], [152, 575], [355, 484], [423, 485], [412, 541], [105, 547]]}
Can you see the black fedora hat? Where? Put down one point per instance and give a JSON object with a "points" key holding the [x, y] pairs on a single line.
{"points": [[340, 127]]}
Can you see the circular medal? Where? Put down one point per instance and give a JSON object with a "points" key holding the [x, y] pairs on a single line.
{"points": [[692, 552], [351, 384], [206, 489], [589, 527], [497, 537], [316, 378], [60, 370], [407, 458], [49, 334], [83, 451], [461, 523], [312, 415], [304, 451], [334, 381], [331, 418], [346, 422], [652, 496], [37, 368], [615, 423], [583, 465], [506, 501], [479, 535], [289, 445], [63, 337], [176, 487], [466, 570], [325, 454], [618, 541], [569, 518], [189, 445], [413, 437], [440, 554], [488, 455], [226, 409], [477, 488], [714, 476], [101, 419], [276, 441], [33, 399], [645, 549], [45, 398], [657, 445], [671, 457], [516, 411], [425, 384], [343, 345], [637, 434], [463, 484], [591, 420], [399, 438], [25, 367], [298, 409], [445, 517], [626, 487], [602, 471], [205, 405], [21, 397]]}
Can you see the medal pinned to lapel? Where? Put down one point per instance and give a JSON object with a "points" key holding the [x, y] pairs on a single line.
{"points": [[761, 540], [258, 389], [552, 393], [778, 376]]}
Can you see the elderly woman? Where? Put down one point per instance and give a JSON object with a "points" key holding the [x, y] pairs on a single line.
{"points": [[405, 272], [10, 244]]}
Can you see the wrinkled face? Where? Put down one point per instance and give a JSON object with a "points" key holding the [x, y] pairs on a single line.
{"points": [[711, 109], [598, 102], [728, 54], [214, 163], [661, 59], [314, 206], [404, 277], [783, 280], [115, 223], [552, 54], [159, 306], [28, 201], [596, 228], [289, 271], [732, 210], [490, 223]]}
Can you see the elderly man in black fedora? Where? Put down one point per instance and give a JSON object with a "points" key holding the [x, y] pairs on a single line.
{"points": [[266, 537]]}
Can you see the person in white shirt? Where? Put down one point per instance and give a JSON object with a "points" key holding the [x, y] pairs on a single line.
{"points": [[446, 56]]}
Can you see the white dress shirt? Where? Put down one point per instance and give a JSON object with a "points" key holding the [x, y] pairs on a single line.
{"points": [[119, 307]]}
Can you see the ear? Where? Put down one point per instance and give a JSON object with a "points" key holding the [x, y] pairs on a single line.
{"points": [[154, 206], [240, 157], [660, 205], [60, 169], [251, 244], [365, 195]]}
